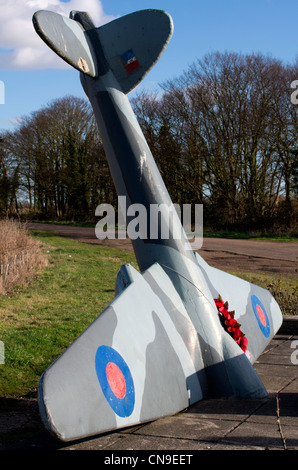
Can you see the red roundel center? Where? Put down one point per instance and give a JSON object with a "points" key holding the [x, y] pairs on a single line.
{"points": [[261, 315], [116, 380]]}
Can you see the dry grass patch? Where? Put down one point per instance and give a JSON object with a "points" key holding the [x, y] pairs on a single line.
{"points": [[21, 256]]}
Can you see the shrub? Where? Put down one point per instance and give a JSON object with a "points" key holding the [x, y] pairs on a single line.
{"points": [[20, 256]]}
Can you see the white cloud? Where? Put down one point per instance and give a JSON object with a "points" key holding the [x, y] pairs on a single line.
{"points": [[20, 47]]}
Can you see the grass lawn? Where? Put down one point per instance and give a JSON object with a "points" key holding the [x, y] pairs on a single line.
{"points": [[39, 321], [251, 236]]}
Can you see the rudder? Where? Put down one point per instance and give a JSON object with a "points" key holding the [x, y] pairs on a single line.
{"points": [[134, 43]]}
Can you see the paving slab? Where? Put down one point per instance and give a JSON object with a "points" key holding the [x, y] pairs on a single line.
{"points": [[270, 423], [264, 436]]}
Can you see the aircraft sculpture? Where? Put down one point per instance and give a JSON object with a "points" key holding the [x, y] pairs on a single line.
{"points": [[164, 342]]}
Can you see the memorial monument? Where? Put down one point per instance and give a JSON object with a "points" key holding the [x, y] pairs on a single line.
{"points": [[168, 339]]}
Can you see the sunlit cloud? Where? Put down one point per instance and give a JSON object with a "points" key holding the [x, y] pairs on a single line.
{"points": [[20, 46]]}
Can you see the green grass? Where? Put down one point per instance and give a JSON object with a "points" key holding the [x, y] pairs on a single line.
{"points": [[39, 321], [251, 236], [283, 288]]}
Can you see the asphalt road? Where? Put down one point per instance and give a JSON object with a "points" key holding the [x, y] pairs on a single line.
{"points": [[231, 254]]}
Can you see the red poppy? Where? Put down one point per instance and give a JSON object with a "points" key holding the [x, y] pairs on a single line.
{"points": [[230, 324], [243, 343], [225, 312], [219, 303]]}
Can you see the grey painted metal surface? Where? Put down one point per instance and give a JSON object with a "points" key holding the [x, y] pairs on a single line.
{"points": [[66, 37], [160, 345]]}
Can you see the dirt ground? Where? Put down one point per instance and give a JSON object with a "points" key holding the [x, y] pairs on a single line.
{"points": [[19, 419]]}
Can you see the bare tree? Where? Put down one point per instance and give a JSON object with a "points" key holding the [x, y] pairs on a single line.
{"points": [[60, 156], [232, 110]]}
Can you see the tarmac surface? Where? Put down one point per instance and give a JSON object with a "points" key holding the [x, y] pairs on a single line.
{"points": [[223, 253]]}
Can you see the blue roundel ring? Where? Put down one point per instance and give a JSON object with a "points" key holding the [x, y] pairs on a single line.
{"points": [[122, 406], [261, 315]]}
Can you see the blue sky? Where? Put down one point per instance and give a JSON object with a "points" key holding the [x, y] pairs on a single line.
{"points": [[33, 76]]}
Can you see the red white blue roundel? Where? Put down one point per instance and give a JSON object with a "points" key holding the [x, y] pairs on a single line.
{"points": [[115, 380], [261, 315]]}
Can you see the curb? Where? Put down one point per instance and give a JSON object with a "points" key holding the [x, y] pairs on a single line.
{"points": [[289, 325]]}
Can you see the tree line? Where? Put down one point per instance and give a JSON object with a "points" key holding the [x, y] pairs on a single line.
{"points": [[54, 163], [223, 133]]}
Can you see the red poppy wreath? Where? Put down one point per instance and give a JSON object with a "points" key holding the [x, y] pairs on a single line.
{"points": [[229, 323]]}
